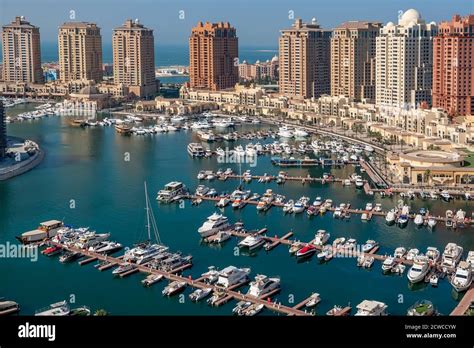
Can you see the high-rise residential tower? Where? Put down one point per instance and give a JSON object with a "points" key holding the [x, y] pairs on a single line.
{"points": [[213, 56], [304, 60], [21, 52], [404, 61], [453, 66], [134, 58], [353, 60], [80, 52]]}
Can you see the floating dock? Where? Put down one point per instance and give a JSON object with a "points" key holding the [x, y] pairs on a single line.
{"points": [[171, 276]]}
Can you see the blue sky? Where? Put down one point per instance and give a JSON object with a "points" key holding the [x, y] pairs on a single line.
{"points": [[257, 21]]}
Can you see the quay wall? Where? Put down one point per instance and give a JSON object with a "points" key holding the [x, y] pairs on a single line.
{"points": [[23, 166]]}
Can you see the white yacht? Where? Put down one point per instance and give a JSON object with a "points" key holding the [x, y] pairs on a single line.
{"points": [[262, 285], [143, 255], [399, 252], [412, 253], [252, 242], [470, 258], [462, 279], [58, 309], [200, 294], [211, 275], [432, 254], [321, 237], [390, 218], [451, 256], [418, 220], [300, 133], [371, 308], [418, 270], [171, 191], [196, 150], [215, 223], [388, 263], [432, 223], [285, 132], [232, 275]]}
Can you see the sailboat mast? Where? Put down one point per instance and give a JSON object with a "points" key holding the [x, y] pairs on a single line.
{"points": [[147, 212]]}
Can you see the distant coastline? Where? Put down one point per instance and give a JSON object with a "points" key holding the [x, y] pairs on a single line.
{"points": [[165, 55]]}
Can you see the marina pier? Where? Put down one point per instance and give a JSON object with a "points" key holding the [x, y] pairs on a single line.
{"points": [[198, 284], [468, 221]]}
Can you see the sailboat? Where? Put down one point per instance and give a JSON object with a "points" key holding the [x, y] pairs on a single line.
{"points": [[146, 251]]}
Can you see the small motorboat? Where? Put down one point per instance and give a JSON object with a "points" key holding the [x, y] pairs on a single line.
{"points": [[314, 299], [434, 280], [173, 288], [306, 251], [200, 294], [152, 279], [295, 247], [369, 245]]}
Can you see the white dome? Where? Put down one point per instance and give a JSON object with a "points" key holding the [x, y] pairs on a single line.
{"points": [[409, 16], [275, 59], [390, 25], [257, 62]]}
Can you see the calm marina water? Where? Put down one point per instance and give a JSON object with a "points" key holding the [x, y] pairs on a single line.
{"points": [[87, 167]]}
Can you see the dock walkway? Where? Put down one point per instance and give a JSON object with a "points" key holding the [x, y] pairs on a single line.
{"points": [[171, 276]]}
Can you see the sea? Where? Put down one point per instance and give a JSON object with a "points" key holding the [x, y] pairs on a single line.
{"points": [[95, 177]]}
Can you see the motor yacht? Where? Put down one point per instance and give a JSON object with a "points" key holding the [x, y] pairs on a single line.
{"points": [[58, 309], [125, 267], [462, 279], [431, 223], [170, 192], [390, 217], [173, 288], [152, 279], [148, 252], [196, 150], [298, 207], [451, 256], [433, 255], [321, 237], [371, 308], [200, 294], [69, 256], [295, 247], [241, 307], [232, 275], [350, 244], [387, 264], [263, 285], [215, 223], [419, 269], [288, 207], [253, 310], [399, 252], [285, 132], [369, 245], [314, 299], [211, 275], [412, 253], [252, 242], [306, 251], [418, 220], [300, 133]]}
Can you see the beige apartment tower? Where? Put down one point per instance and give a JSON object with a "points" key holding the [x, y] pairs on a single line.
{"points": [[134, 58], [353, 60], [213, 53], [21, 52], [304, 60], [80, 52]]}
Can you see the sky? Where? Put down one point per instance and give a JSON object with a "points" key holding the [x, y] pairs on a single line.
{"points": [[257, 21]]}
